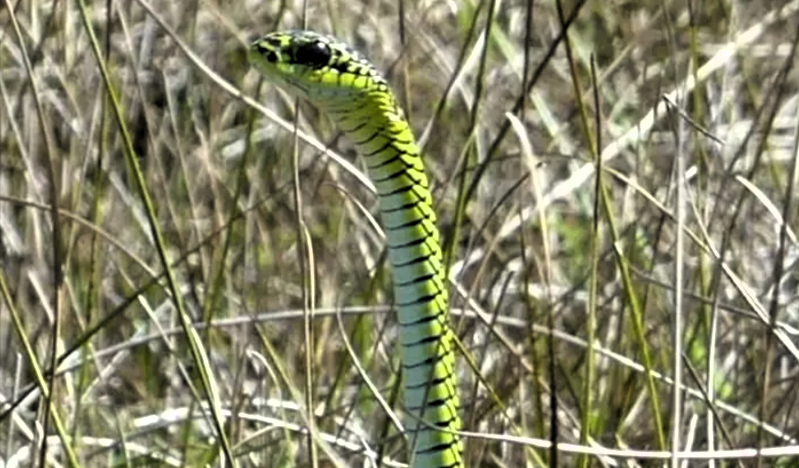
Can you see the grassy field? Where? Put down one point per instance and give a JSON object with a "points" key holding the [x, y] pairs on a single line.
{"points": [[164, 232]]}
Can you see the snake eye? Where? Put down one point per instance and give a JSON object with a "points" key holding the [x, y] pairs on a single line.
{"points": [[313, 54]]}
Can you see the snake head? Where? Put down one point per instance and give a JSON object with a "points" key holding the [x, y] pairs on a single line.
{"points": [[314, 66]]}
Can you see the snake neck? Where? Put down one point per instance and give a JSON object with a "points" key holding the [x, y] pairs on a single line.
{"points": [[383, 138]]}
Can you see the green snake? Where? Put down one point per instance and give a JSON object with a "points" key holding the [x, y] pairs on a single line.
{"points": [[349, 89]]}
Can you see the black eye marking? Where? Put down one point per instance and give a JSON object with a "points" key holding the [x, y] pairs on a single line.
{"points": [[266, 50], [313, 54], [342, 67]]}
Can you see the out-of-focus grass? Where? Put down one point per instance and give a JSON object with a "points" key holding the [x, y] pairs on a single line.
{"points": [[525, 252]]}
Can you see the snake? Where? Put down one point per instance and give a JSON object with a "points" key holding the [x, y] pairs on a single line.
{"points": [[357, 98]]}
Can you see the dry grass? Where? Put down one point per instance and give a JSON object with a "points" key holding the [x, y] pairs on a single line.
{"points": [[542, 262]]}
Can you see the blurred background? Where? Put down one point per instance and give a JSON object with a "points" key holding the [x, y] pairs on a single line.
{"points": [[135, 141]]}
